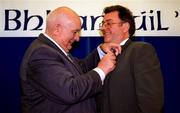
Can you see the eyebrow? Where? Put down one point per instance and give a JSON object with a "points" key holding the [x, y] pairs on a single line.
{"points": [[108, 20], [76, 30]]}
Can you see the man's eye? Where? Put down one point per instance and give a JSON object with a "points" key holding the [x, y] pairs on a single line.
{"points": [[75, 32], [108, 24]]}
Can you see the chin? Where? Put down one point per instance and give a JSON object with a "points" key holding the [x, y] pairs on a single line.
{"points": [[107, 39]]}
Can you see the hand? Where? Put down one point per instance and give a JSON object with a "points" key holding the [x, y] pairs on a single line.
{"points": [[107, 63], [111, 47]]}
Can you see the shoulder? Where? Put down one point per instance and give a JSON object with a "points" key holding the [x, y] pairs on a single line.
{"points": [[39, 51], [140, 49], [142, 46]]}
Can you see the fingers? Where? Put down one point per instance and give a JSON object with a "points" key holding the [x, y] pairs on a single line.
{"points": [[113, 51], [107, 63], [112, 57], [111, 47], [116, 48]]}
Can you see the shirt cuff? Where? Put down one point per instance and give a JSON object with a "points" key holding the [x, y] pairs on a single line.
{"points": [[101, 73], [100, 52]]}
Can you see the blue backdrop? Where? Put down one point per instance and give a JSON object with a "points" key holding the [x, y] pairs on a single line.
{"points": [[12, 50]]}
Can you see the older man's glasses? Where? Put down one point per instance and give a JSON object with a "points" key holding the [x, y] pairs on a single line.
{"points": [[108, 24]]}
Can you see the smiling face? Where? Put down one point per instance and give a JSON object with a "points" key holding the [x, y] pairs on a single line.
{"points": [[69, 33], [63, 26], [113, 28]]}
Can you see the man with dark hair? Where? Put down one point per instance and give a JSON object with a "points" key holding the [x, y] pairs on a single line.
{"points": [[136, 83]]}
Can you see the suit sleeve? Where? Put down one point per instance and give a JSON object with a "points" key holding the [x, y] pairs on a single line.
{"points": [[51, 75], [148, 80], [90, 62]]}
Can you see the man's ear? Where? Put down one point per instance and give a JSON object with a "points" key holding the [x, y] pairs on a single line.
{"points": [[58, 29], [126, 27]]}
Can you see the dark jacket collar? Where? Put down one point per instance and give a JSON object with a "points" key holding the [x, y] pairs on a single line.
{"points": [[126, 44], [48, 42]]}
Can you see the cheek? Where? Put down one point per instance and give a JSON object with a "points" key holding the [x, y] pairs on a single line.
{"points": [[70, 40], [116, 32], [68, 37], [107, 38]]}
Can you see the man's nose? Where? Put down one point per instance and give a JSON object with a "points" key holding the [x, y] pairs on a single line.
{"points": [[77, 37]]}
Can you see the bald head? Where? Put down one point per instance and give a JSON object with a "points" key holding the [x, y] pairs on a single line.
{"points": [[63, 26], [63, 16]]}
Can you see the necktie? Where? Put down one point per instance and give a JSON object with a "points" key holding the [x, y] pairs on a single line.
{"points": [[73, 61], [70, 57]]}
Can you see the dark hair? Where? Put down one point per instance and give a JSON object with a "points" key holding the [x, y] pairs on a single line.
{"points": [[124, 14]]}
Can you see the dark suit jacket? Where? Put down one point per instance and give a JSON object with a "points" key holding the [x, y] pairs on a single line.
{"points": [[136, 84], [51, 83]]}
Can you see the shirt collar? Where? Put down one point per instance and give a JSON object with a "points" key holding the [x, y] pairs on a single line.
{"points": [[55, 43], [124, 41]]}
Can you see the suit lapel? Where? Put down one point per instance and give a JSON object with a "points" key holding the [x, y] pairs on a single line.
{"points": [[48, 42], [75, 63], [126, 44], [105, 105]]}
